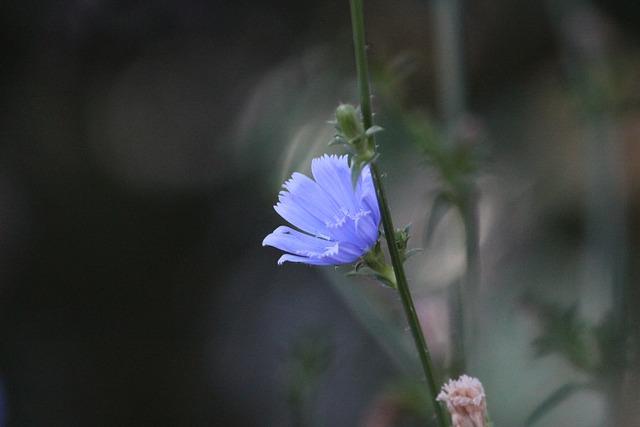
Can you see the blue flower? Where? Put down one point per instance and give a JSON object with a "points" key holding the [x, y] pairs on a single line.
{"points": [[338, 224]]}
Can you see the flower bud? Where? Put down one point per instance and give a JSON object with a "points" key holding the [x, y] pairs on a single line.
{"points": [[349, 121], [466, 402], [402, 238]]}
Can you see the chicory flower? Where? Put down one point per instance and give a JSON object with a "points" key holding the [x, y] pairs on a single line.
{"points": [[337, 222]]}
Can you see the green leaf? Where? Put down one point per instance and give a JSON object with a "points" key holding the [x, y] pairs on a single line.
{"points": [[354, 141], [553, 400], [373, 130], [356, 169], [566, 333], [386, 281], [411, 252], [369, 272], [337, 140], [361, 271]]}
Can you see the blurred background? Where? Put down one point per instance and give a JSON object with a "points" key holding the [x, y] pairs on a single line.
{"points": [[143, 144]]}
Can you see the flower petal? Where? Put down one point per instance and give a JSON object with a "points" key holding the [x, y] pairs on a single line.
{"points": [[332, 173], [309, 197], [307, 194], [299, 216], [295, 242], [305, 260], [366, 194], [347, 253]]}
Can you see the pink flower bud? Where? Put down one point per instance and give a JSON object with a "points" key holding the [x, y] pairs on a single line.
{"points": [[466, 402]]}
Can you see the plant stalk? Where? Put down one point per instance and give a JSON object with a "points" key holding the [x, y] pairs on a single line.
{"points": [[589, 68], [357, 22], [471, 282], [448, 26], [405, 294]]}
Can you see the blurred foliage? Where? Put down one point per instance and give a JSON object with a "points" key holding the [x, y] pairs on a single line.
{"points": [[599, 351], [455, 159], [409, 397], [311, 355], [553, 400], [565, 333], [455, 163]]}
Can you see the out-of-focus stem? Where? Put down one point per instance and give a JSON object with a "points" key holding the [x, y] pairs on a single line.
{"points": [[606, 247], [472, 273], [449, 59], [357, 21], [452, 100]]}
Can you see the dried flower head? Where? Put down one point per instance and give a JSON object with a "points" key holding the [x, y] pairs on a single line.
{"points": [[466, 402]]}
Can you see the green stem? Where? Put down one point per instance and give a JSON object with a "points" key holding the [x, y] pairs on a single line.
{"points": [[362, 67], [405, 294], [357, 21]]}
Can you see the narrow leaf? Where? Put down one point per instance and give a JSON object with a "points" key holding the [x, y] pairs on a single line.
{"points": [[373, 130], [337, 140], [553, 400], [385, 281], [363, 271], [356, 169], [440, 207], [412, 252]]}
